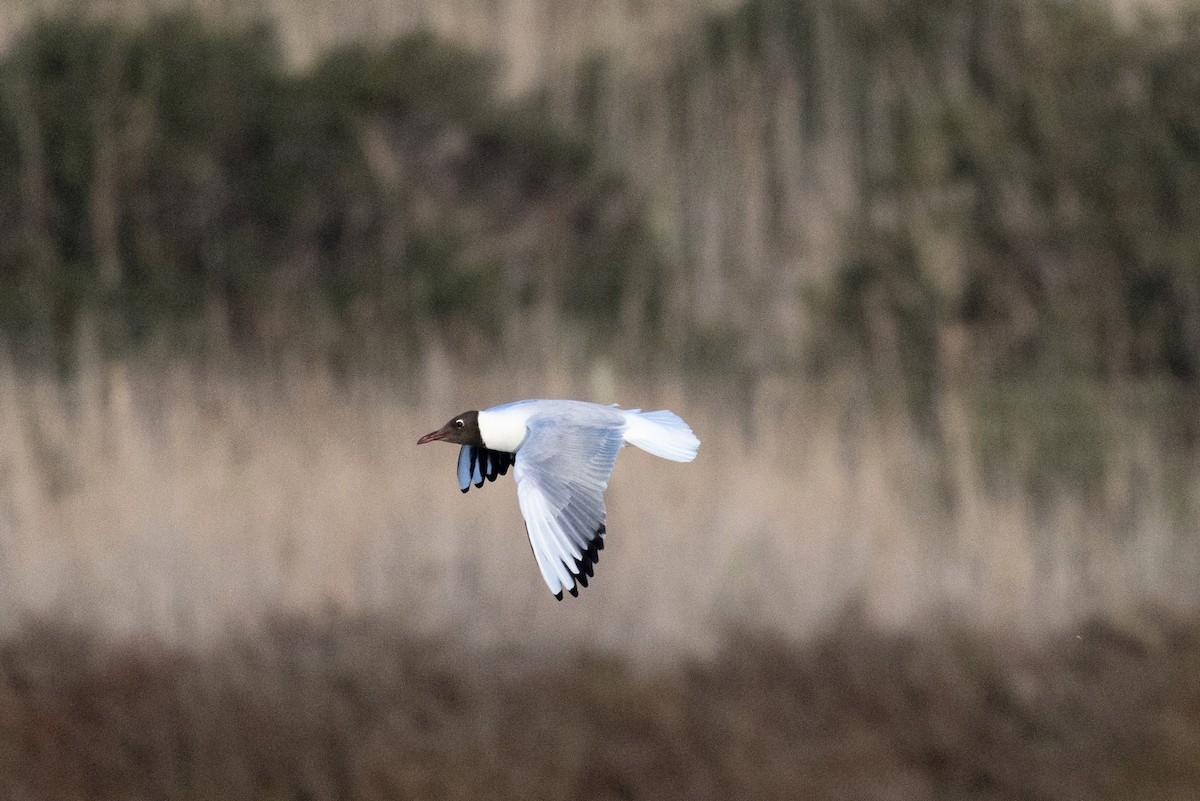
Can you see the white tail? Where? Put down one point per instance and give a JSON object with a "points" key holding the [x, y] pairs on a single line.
{"points": [[662, 433]]}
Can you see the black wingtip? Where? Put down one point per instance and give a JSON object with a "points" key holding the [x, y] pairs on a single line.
{"points": [[558, 595], [463, 490], [587, 561]]}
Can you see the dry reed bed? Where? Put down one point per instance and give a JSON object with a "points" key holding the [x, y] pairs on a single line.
{"points": [[355, 708], [182, 499]]}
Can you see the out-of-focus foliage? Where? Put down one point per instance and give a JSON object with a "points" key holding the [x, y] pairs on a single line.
{"points": [[860, 182], [154, 176], [1026, 173], [1060, 152]]}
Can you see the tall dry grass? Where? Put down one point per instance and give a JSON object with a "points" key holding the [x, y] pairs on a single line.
{"points": [[185, 498]]}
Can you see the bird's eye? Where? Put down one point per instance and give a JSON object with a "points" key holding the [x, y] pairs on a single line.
{"points": [[459, 423]]}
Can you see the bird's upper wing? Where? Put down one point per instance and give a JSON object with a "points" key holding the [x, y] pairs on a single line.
{"points": [[561, 475], [476, 464]]}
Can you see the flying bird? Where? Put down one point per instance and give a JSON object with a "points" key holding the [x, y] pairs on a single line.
{"points": [[566, 453]]}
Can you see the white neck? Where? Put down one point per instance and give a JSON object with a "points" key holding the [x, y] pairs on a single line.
{"points": [[504, 430]]}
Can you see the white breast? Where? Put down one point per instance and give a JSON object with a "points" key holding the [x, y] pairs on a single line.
{"points": [[503, 428]]}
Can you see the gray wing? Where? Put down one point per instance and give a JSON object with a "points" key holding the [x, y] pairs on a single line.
{"points": [[561, 477]]}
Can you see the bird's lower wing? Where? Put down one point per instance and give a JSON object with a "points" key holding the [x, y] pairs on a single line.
{"points": [[565, 550], [561, 477]]}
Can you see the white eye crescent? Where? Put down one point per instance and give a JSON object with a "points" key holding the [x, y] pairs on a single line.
{"points": [[459, 423]]}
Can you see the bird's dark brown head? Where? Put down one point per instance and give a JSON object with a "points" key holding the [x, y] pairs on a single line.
{"points": [[461, 430]]}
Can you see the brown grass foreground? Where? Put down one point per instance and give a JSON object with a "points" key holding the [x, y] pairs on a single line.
{"points": [[353, 708]]}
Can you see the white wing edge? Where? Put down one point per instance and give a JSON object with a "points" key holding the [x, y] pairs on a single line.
{"points": [[555, 551]]}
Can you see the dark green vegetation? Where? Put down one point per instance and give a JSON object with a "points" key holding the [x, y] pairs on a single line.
{"points": [[1026, 174], [355, 709], [152, 177]]}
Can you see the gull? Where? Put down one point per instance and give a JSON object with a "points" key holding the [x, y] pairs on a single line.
{"points": [[567, 450]]}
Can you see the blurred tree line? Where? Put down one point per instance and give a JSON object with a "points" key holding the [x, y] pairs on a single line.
{"points": [[795, 185], [168, 179], [1013, 181]]}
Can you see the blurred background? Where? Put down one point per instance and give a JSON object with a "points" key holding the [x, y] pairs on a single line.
{"points": [[923, 276]]}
